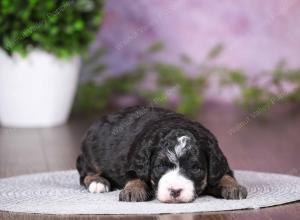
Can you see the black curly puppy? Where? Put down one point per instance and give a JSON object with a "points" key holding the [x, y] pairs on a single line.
{"points": [[147, 151]]}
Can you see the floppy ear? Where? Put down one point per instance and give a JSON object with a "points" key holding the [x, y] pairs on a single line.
{"points": [[217, 163], [139, 158]]}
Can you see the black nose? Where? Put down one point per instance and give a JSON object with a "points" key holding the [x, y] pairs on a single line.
{"points": [[175, 192]]}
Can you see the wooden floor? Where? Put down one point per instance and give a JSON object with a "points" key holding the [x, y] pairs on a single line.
{"points": [[270, 143]]}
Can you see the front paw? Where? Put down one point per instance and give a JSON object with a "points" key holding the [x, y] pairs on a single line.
{"points": [[133, 194], [98, 187], [234, 192]]}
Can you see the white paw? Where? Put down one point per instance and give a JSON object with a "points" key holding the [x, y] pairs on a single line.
{"points": [[96, 187]]}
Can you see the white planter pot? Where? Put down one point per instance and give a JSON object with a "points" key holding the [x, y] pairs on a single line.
{"points": [[36, 91]]}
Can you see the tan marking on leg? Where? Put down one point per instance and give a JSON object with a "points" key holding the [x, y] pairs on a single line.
{"points": [[136, 183], [227, 181], [228, 188], [135, 191]]}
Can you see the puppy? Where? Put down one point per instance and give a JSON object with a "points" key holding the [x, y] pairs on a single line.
{"points": [[153, 152]]}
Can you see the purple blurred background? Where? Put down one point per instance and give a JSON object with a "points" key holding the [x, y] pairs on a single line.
{"points": [[256, 35]]}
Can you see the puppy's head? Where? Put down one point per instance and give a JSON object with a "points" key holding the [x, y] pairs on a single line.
{"points": [[179, 169]]}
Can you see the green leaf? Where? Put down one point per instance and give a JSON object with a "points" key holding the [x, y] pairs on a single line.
{"points": [[79, 25], [253, 97], [278, 73], [33, 3], [157, 97], [191, 101], [237, 77], [293, 75], [201, 81], [54, 30], [216, 51], [294, 96], [156, 47], [169, 74]]}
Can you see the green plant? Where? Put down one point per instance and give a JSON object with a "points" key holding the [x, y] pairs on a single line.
{"points": [[189, 88], [63, 28], [93, 98]]}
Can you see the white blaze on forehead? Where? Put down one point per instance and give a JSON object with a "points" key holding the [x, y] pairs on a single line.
{"points": [[179, 149]]}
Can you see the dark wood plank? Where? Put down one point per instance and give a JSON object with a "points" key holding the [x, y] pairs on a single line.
{"points": [[17, 147], [266, 143]]}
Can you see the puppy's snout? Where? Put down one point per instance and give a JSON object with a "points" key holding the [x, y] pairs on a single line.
{"points": [[175, 187], [175, 193]]}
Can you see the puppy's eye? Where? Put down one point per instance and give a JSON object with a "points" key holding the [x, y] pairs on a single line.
{"points": [[162, 168], [195, 168]]}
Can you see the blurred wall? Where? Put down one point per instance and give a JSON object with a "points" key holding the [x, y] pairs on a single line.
{"points": [[256, 34]]}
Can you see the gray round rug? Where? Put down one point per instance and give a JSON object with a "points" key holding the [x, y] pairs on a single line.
{"points": [[60, 193]]}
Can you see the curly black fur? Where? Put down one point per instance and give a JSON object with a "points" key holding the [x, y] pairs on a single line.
{"points": [[133, 143]]}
